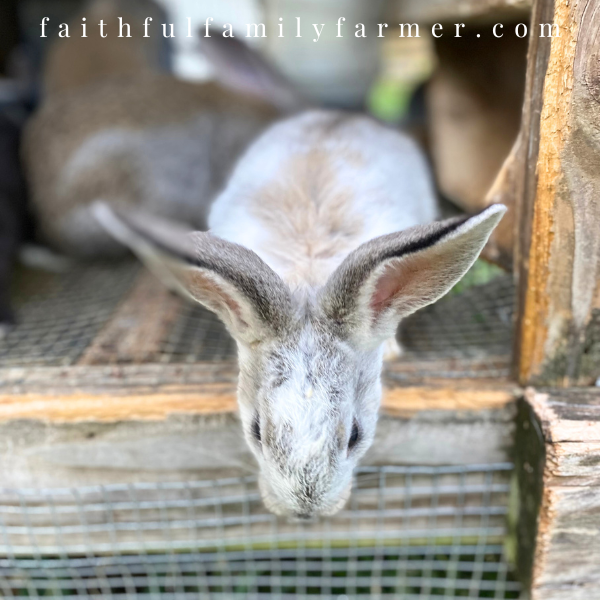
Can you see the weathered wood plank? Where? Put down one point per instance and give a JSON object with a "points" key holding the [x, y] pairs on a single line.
{"points": [[153, 391], [577, 463], [568, 534], [157, 402], [136, 405], [530, 459], [408, 401], [582, 592], [559, 256], [572, 416], [50, 453], [526, 150], [135, 332], [97, 378]]}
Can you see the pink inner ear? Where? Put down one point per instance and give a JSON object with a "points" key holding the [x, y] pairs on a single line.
{"points": [[207, 290], [389, 286]]}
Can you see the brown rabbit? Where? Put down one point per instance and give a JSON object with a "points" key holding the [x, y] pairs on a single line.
{"points": [[138, 137]]}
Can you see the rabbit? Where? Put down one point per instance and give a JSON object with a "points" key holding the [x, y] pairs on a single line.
{"points": [[77, 61], [320, 243], [136, 136]]}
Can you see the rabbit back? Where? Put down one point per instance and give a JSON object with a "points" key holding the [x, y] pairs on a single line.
{"points": [[316, 186], [151, 142]]}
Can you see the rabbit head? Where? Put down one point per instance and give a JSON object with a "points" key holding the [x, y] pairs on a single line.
{"points": [[309, 384]]}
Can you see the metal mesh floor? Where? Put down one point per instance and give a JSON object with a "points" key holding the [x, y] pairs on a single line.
{"points": [[407, 532], [60, 316]]}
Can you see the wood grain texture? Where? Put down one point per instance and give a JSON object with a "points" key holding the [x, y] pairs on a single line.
{"points": [[559, 312], [568, 538], [187, 447], [135, 333], [530, 460], [571, 416], [136, 405], [526, 156], [132, 394], [408, 401]]}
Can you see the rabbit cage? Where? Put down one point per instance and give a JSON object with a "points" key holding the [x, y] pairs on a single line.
{"points": [[124, 473]]}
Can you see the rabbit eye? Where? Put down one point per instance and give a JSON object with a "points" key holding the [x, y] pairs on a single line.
{"points": [[256, 429], [354, 436]]}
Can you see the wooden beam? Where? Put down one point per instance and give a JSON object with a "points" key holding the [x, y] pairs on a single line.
{"points": [[164, 435], [567, 551], [408, 401], [516, 182], [135, 405], [558, 259], [140, 404], [155, 392]]}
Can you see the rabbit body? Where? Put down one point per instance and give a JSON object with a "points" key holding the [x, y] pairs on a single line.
{"points": [[307, 193], [319, 245], [115, 126], [316, 186], [150, 141]]}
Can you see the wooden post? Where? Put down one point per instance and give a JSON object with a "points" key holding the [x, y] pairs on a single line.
{"points": [[530, 460], [558, 202], [567, 545]]}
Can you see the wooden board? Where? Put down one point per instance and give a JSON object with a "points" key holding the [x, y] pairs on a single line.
{"points": [[37, 453], [558, 341], [446, 10], [135, 332], [567, 551], [154, 392], [516, 181], [105, 424]]}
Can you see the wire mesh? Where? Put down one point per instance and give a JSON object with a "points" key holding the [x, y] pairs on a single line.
{"points": [[61, 315], [407, 532]]}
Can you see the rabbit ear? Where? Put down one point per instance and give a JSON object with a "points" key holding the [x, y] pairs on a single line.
{"points": [[392, 276], [244, 70], [232, 281]]}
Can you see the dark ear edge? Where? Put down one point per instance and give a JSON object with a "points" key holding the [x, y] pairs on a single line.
{"points": [[347, 297], [166, 248], [360, 264]]}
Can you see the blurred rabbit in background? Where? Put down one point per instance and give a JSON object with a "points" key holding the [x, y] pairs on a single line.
{"points": [[115, 126]]}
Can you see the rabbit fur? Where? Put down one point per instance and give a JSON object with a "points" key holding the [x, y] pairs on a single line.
{"points": [[320, 243], [113, 126]]}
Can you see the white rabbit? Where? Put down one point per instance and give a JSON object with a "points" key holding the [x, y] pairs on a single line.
{"points": [[307, 266]]}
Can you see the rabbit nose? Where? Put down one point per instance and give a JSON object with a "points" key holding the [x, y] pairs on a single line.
{"points": [[303, 516]]}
